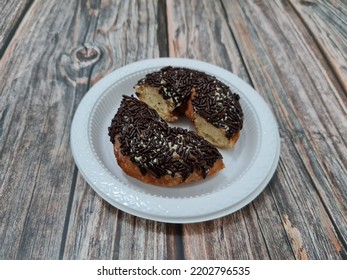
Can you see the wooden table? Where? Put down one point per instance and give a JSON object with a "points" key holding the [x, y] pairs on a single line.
{"points": [[294, 53]]}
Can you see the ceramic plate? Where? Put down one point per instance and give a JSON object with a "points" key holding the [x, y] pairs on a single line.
{"points": [[248, 166]]}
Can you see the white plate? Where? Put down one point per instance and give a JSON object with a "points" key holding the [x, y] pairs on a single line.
{"points": [[248, 166]]}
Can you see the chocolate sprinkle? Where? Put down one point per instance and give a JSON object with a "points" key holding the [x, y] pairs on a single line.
{"points": [[156, 147], [214, 101]]}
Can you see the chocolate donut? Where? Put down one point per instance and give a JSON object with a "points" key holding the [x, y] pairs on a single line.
{"points": [[214, 109], [148, 149]]}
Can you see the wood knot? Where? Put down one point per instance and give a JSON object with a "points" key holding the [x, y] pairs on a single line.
{"points": [[87, 55]]}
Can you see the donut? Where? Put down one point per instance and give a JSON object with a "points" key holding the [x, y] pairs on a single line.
{"points": [[148, 149], [210, 104]]}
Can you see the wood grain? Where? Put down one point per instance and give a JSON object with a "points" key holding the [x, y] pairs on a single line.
{"points": [[288, 69], [11, 14], [290, 72], [54, 51], [127, 30], [36, 169], [205, 35], [198, 30], [327, 21], [48, 67]]}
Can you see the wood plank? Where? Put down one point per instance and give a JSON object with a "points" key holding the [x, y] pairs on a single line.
{"points": [[37, 172], [11, 14], [106, 233], [327, 21], [302, 214], [310, 230], [47, 210], [97, 230], [288, 69], [200, 30]]}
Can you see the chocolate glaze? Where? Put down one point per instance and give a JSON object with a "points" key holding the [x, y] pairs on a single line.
{"points": [[213, 100], [156, 147]]}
